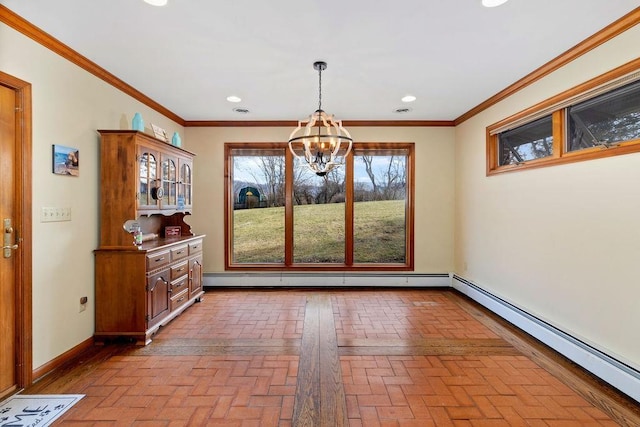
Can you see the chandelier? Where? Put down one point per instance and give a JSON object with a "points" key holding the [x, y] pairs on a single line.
{"points": [[318, 139]]}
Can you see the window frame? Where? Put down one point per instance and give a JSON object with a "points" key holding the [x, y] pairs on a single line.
{"points": [[348, 265], [558, 106]]}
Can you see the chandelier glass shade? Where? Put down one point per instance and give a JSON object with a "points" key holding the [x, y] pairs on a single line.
{"points": [[318, 140]]}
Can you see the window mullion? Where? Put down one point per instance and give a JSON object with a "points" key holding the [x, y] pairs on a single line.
{"points": [[288, 208], [559, 135], [348, 227]]}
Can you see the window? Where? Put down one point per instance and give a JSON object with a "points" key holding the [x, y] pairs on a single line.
{"points": [[257, 192], [319, 215], [599, 118], [608, 119], [282, 216], [379, 209], [531, 141]]}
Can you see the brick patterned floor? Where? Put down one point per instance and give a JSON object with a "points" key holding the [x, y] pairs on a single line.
{"points": [[403, 315], [233, 360], [460, 391], [242, 315], [188, 390]]}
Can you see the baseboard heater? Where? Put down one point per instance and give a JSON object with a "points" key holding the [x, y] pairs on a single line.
{"points": [[618, 374], [329, 280]]}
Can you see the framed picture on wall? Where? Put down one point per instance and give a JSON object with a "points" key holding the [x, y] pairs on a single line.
{"points": [[66, 160]]}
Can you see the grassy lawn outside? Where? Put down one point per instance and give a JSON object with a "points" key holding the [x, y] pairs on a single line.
{"points": [[379, 233]]}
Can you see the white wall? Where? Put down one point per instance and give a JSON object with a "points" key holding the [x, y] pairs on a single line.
{"points": [[69, 104], [434, 151], [563, 242]]}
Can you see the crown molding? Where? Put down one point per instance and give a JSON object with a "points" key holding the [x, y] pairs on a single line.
{"points": [[291, 123]]}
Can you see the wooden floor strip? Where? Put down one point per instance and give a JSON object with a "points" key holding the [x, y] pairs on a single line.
{"points": [[320, 398], [227, 342], [217, 350], [425, 347], [424, 342], [428, 351], [332, 395]]}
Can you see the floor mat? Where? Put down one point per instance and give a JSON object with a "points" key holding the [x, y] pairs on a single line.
{"points": [[36, 409]]}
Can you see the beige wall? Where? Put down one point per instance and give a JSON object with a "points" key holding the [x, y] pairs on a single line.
{"points": [[434, 187], [563, 242], [69, 104]]}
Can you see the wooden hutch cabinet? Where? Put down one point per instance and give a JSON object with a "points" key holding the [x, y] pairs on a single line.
{"points": [[145, 185]]}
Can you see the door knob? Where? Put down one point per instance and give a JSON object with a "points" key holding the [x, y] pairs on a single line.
{"points": [[7, 246]]}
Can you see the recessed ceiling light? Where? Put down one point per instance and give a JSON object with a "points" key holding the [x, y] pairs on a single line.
{"points": [[233, 98], [241, 110], [156, 2], [493, 3], [408, 98], [402, 110]]}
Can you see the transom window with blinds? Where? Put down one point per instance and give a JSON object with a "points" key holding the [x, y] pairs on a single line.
{"points": [[599, 118], [282, 216]]}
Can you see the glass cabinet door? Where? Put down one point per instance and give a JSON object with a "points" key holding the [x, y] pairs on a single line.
{"points": [[169, 182], [148, 170], [184, 185]]}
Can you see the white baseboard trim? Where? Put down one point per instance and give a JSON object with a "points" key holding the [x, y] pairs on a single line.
{"points": [[408, 280], [614, 372]]}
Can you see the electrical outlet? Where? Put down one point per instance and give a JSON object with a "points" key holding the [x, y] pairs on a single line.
{"points": [[83, 304], [50, 214]]}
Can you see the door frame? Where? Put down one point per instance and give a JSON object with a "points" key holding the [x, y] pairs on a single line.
{"points": [[23, 225]]}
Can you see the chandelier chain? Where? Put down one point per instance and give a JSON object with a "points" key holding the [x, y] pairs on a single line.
{"points": [[319, 88]]}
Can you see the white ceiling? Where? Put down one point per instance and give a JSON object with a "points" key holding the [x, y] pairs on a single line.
{"points": [[191, 54]]}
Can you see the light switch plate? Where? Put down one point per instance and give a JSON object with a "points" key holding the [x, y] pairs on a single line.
{"points": [[49, 214]]}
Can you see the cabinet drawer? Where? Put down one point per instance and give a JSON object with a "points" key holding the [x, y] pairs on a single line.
{"points": [[179, 270], [177, 286], [195, 247], [179, 252], [179, 300], [157, 259]]}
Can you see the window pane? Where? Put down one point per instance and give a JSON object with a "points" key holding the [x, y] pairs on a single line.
{"points": [[528, 142], [380, 181], [607, 119], [258, 209], [318, 216]]}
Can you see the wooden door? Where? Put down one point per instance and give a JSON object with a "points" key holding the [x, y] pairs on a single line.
{"points": [[149, 182], [185, 183], [195, 275], [8, 377], [157, 298], [15, 225], [169, 177]]}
